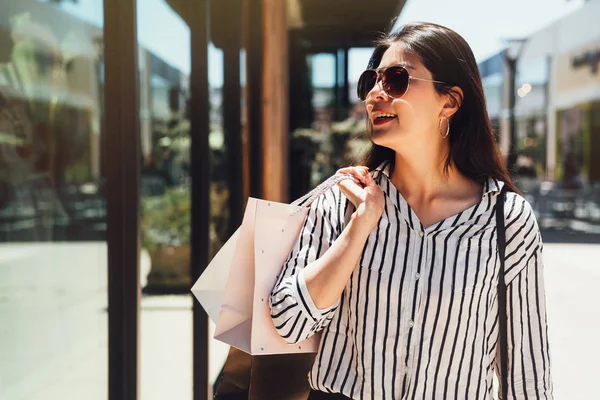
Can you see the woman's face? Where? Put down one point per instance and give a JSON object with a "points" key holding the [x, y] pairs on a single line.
{"points": [[416, 114]]}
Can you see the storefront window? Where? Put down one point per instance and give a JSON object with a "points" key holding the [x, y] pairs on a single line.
{"points": [[531, 105], [166, 304], [53, 254], [492, 87], [574, 199]]}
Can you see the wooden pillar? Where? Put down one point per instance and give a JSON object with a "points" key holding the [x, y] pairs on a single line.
{"points": [[345, 83], [300, 86], [122, 196], [230, 32], [200, 190], [266, 43], [342, 99], [252, 133], [275, 110]]}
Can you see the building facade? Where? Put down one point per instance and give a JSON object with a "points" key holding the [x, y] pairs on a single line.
{"points": [[557, 96], [122, 171]]}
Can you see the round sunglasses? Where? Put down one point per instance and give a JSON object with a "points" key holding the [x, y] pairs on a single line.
{"points": [[394, 81]]}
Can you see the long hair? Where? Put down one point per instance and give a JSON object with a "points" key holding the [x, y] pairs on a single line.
{"points": [[473, 147]]}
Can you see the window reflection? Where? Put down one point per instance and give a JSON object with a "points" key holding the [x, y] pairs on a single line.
{"points": [[50, 132], [166, 203], [53, 335]]}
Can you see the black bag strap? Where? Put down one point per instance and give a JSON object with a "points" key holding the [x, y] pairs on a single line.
{"points": [[502, 316]]}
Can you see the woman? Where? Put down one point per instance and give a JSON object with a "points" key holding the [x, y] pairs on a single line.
{"points": [[400, 273]]}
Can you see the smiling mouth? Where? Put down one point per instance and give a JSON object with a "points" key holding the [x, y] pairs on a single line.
{"points": [[383, 119]]}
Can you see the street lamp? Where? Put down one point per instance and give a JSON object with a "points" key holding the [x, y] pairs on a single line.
{"points": [[511, 54]]}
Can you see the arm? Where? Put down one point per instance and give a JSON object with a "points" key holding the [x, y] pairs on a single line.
{"points": [[308, 292], [528, 350]]}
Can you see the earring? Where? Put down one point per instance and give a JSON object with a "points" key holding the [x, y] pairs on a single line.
{"points": [[447, 129]]}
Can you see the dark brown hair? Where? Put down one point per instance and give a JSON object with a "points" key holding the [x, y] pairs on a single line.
{"points": [[473, 147]]}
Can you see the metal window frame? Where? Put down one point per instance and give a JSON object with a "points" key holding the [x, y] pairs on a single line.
{"points": [[121, 112]]}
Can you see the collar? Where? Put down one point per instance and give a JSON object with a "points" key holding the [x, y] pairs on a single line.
{"points": [[490, 185]]}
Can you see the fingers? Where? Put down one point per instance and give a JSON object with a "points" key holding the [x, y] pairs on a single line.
{"points": [[360, 173], [350, 189]]}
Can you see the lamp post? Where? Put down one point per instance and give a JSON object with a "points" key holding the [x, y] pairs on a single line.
{"points": [[511, 56]]}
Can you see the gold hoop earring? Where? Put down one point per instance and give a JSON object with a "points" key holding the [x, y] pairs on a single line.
{"points": [[447, 129]]}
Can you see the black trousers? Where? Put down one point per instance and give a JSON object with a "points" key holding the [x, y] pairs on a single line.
{"points": [[315, 395]]}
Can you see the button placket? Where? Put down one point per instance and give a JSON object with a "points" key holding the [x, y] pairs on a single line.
{"points": [[417, 277], [417, 295]]}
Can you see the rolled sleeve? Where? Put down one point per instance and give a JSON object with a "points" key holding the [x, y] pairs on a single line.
{"points": [[307, 305], [293, 311]]}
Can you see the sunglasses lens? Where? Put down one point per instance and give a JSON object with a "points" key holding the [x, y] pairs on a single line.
{"points": [[365, 83], [395, 81]]}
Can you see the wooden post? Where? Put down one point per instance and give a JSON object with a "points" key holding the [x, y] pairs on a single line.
{"points": [[275, 97], [231, 32], [200, 174], [253, 94], [123, 198]]}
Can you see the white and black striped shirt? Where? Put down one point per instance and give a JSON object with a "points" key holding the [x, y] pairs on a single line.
{"points": [[418, 318]]}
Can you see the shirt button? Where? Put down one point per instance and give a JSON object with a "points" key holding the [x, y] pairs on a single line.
{"points": [[421, 233], [417, 276], [411, 324]]}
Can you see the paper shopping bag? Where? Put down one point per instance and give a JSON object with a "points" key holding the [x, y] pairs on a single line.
{"points": [[235, 287]]}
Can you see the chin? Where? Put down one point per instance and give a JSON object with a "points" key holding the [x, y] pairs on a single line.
{"points": [[384, 137]]}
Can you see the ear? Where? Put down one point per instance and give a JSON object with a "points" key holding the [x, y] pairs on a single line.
{"points": [[454, 100]]}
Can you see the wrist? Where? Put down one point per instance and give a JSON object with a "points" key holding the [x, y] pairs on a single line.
{"points": [[364, 222]]}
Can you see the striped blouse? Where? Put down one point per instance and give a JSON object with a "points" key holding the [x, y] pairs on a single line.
{"points": [[418, 318]]}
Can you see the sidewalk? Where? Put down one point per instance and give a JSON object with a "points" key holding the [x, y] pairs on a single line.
{"points": [[572, 273], [54, 334], [55, 344]]}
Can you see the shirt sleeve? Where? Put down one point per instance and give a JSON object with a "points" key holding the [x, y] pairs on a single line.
{"points": [[293, 311], [529, 374]]}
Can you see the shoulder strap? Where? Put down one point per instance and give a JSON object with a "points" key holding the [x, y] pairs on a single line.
{"points": [[311, 196], [502, 316]]}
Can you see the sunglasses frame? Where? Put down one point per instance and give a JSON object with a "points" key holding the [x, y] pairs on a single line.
{"points": [[378, 81]]}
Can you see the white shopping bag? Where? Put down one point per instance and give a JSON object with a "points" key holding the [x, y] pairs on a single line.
{"points": [[234, 289]]}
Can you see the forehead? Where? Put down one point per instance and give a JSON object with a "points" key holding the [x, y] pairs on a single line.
{"points": [[397, 55]]}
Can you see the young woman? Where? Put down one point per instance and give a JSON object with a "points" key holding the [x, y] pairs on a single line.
{"points": [[400, 273]]}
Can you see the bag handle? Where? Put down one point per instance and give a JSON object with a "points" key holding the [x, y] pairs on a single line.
{"points": [[311, 196], [502, 315]]}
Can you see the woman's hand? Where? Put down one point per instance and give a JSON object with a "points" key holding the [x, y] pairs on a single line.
{"points": [[368, 200]]}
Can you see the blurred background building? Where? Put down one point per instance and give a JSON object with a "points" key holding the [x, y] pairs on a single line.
{"points": [[556, 112], [132, 133]]}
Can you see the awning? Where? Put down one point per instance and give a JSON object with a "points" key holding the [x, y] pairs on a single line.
{"points": [[341, 23]]}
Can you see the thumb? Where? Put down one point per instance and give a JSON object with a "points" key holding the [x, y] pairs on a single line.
{"points": [[352, 191]]}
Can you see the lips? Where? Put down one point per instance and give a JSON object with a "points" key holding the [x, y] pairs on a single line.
{"points": [[381, 118]]}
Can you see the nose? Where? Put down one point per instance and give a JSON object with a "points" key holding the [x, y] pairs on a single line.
{"points": [[377, 92]]}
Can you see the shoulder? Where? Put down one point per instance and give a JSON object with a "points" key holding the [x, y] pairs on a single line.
{"points": [[523, 237], [381, 175], [518, 213], [329, 203]]}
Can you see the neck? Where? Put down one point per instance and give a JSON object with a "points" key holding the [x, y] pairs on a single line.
{"points": [[419, 174]]}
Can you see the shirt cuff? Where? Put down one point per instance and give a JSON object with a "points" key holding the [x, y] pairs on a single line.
{"points": [[306, 302]]}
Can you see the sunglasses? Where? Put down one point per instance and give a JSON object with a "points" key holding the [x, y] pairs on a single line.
{"points": [[394, 81]]}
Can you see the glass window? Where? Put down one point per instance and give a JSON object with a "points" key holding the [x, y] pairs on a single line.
{"points": [[53, 254], [166, 304]]}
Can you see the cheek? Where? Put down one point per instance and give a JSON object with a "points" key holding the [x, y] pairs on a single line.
{"points": [[416, 111], [410, 115]]}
